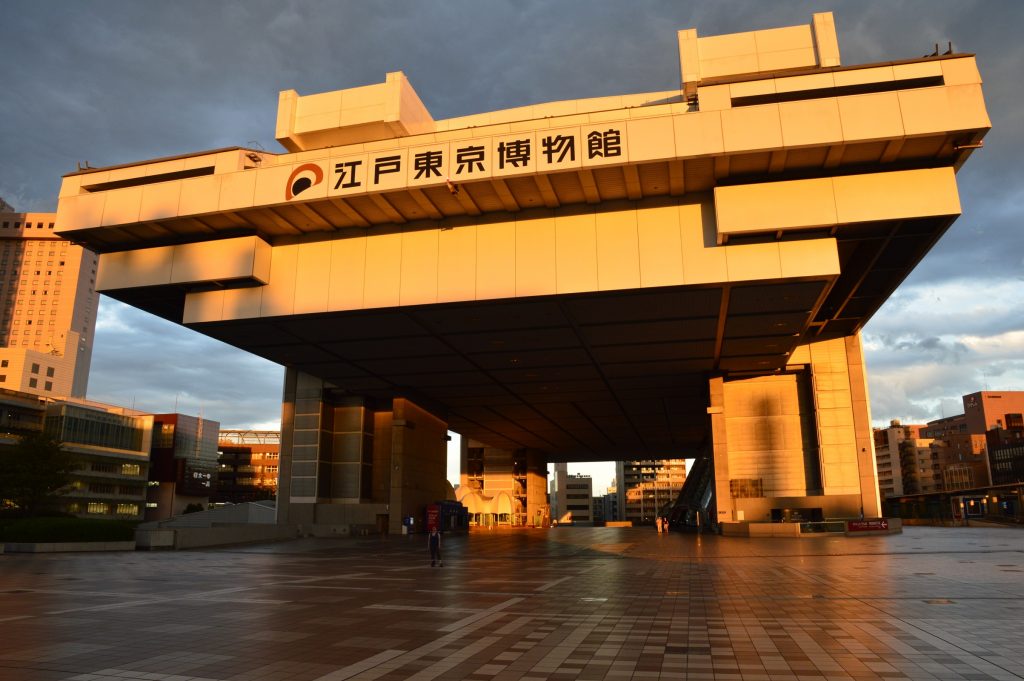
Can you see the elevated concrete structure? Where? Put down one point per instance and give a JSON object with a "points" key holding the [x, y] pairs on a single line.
{"points": [[589, 279]]}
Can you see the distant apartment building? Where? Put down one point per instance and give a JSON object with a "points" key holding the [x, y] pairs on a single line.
{"points": [[954, 452], [606, 508], [887, 455], [646, 487], [572, 496], [110, 443], [183, 464], [49, 304], [1006, 450], [920, 466], [503, 486], [248, 465]]}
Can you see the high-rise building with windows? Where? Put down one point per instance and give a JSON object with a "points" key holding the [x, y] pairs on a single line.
{"points": [[49, 303], [645, 487]]}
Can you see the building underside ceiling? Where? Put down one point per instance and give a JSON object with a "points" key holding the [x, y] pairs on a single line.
{"points": [[596, 376]]}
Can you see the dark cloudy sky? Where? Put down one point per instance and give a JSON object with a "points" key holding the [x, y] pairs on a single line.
{"points": [[115, 81]]}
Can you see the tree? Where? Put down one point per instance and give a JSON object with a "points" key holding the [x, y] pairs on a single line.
{"points": [[34, 469]]}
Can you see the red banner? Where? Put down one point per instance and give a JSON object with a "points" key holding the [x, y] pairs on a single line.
{"points": [[433, 517]]}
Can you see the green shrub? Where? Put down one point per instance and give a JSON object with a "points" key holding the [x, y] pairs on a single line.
{"points": [[66, 529]]}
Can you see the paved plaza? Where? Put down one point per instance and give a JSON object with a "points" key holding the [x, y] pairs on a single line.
{"points": [[566, 603]]}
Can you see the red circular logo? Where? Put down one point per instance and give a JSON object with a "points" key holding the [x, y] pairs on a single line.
{"points": [[302, 178]]}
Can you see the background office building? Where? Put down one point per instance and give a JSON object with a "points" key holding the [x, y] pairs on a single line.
{"points": [[111, 445], [606, 506], [49, 303], [646, 487], [572, 497], [183, 464], [248, 465]]}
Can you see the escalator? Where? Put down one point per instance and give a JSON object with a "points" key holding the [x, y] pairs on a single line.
{"points": [[694, 510]]}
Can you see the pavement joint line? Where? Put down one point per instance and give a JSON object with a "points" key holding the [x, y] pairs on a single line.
{"points": [[204, 595], [554, 583], [419, 608], [361, 666], [413, 655], [477, 593], [441, 666], [467, 621]]}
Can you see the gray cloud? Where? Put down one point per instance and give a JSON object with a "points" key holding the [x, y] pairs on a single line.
{"points": [[115, 81], [145, 362]]}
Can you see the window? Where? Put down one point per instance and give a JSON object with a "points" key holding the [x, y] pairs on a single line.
{"points": [[3, 363], [48, 385], [3, 378], [127, 509], [33, 383], [35, 367], [96, 507], [49, 371], [130, 469]]}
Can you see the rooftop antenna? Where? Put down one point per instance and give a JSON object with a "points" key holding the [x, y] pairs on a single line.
{"points": [[950, 50], [252, 155]]}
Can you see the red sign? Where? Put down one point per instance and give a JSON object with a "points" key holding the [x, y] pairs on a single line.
{"points": [[867, 525], [433, 517]]}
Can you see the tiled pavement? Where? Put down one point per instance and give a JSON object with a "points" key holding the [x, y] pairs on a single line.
{"points": [[567, 603]]}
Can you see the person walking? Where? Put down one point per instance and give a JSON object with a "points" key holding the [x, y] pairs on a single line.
{"points": [[434, 544]]}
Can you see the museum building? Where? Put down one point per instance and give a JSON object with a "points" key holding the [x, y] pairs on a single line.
{"points": [[641, 275]]}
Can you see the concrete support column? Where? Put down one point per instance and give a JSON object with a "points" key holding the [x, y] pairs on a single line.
{"points": [[418, 462], [301, 412], [720, 450], [866, 464], [346, 463], [538, 513], [799, 439]]}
